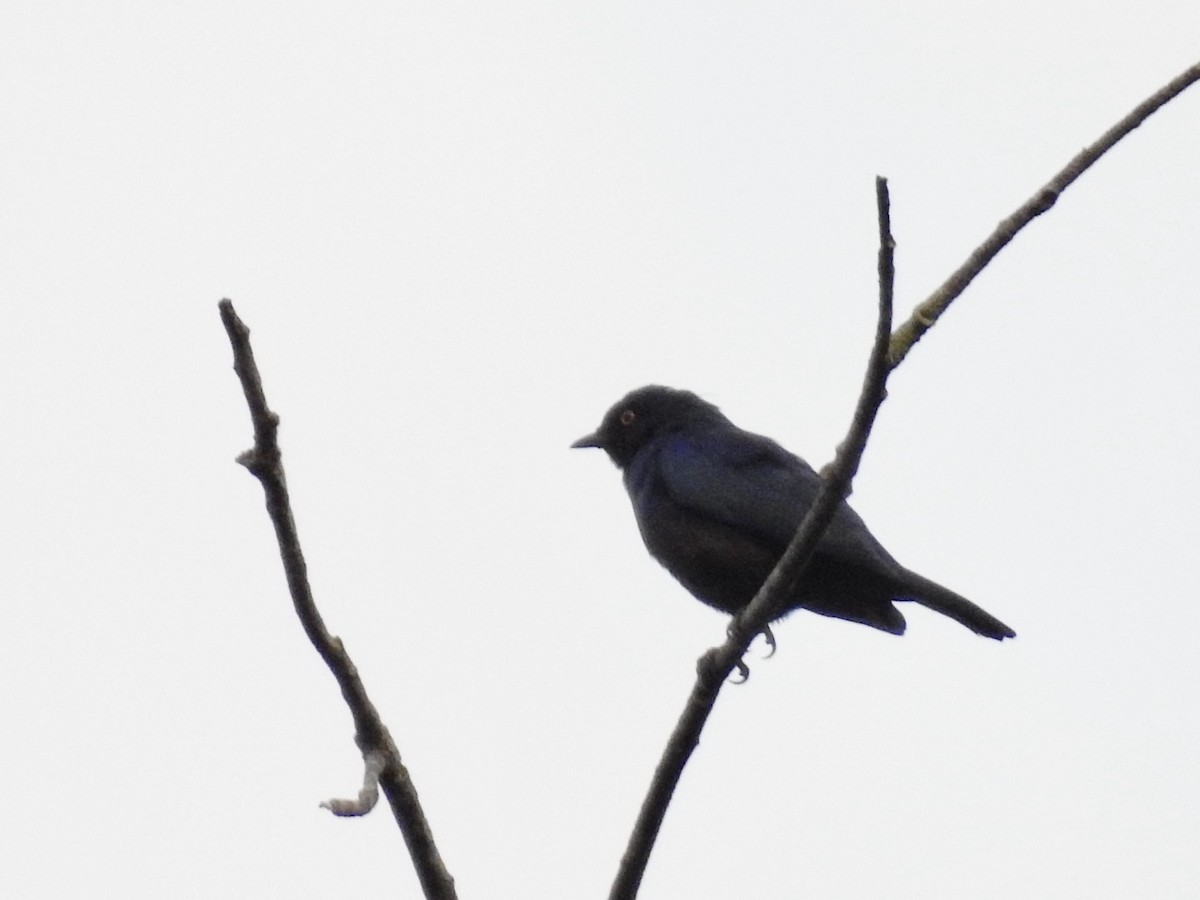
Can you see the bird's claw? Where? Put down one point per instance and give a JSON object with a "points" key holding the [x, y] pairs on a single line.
{"points": [[769, 637], [743, 671]]}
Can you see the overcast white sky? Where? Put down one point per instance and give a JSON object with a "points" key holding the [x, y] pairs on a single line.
{"points": [[458, 233]]}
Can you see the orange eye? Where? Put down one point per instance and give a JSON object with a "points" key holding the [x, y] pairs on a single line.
{"points": [[628, 416]]}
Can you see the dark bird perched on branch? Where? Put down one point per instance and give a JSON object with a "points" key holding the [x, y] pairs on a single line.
{"points": [[717, 506]]}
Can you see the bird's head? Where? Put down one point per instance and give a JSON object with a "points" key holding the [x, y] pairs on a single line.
{"points": [[644, 414]]}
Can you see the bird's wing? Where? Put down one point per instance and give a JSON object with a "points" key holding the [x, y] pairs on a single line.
{"points": [[751, 483]]}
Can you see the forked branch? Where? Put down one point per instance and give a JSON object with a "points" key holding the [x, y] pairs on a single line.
{"points": [[888, 351]]}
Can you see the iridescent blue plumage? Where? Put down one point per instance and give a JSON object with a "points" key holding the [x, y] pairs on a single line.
{"points": [[717, 506]]}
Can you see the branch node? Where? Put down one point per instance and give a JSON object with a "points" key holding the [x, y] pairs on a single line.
{"points": [[1046, 199], [708, 666]]}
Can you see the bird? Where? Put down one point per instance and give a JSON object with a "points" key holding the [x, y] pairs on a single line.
{"points": [[717, 506]]}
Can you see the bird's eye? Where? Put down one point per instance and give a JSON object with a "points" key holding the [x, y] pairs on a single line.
{"points": [[628, 416]]}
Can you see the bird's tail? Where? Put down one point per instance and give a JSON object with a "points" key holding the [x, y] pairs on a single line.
{"points": [[932, 595]]}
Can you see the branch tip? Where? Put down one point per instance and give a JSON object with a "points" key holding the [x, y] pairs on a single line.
{"points": [[931, 309]]}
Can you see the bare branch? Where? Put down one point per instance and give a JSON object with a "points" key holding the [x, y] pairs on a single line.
{"points": [[717, 664], [931, 309], [380, 755]]}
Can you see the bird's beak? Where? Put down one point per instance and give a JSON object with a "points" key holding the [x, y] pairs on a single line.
{"points": [[588, 440]]}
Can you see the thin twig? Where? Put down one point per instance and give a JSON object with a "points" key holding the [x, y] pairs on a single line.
{"points": [[380, 755], [717, 664], [931, 309]]}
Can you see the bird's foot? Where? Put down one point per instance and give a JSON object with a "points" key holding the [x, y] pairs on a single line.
{"points": [[743, 670]]}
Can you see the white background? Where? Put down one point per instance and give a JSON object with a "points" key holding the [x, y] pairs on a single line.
{"points": [[458, 233]]}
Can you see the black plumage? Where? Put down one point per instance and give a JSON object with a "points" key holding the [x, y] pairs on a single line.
{"points": [[717, 506]]}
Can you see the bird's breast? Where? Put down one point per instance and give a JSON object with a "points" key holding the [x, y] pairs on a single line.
{"points": [[717, 564]]}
